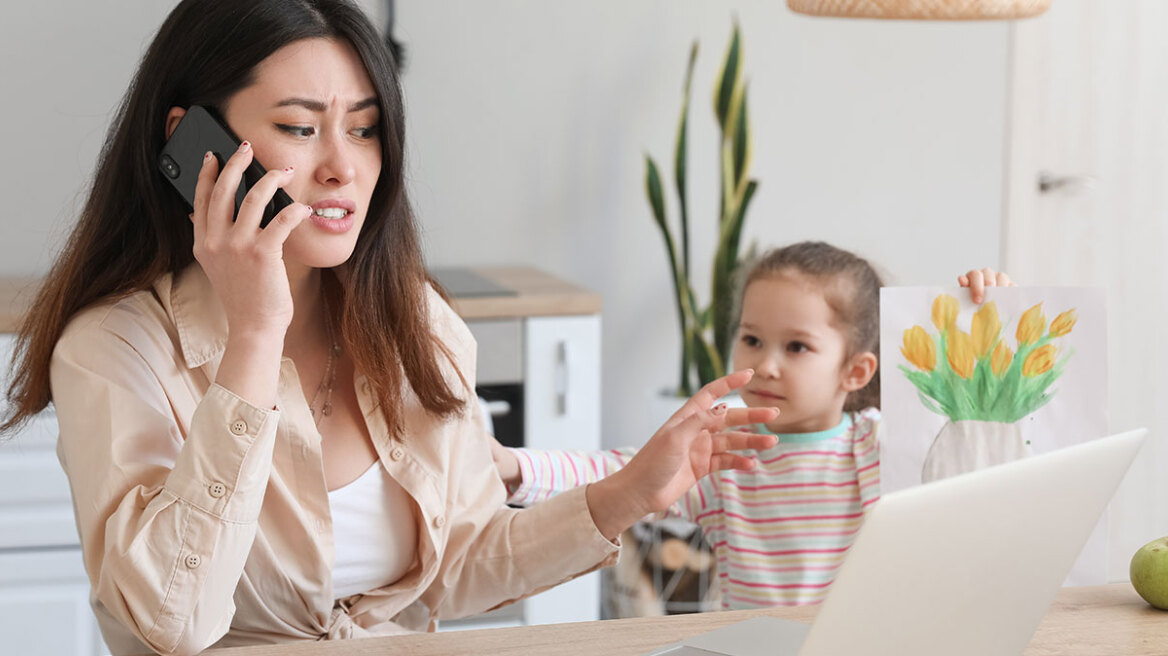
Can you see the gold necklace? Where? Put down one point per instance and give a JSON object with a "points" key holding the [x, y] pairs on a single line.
{"points": [[325, 389]]}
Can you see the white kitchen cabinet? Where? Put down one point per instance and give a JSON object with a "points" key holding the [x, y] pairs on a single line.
{"points": [[562, 389], [44, 592], [44, 604]]}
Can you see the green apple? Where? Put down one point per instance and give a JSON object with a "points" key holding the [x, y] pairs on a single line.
{"points": [[1149, 572]]}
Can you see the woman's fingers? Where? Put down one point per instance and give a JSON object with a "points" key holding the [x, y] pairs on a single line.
{"points": [[705, 398], [723, 461], [203, 186], [251, 210], [221, 207], [719, 387], [739, 441], [282, 225], [746, 416]]}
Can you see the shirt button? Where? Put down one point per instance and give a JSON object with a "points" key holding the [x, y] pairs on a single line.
{"points": [[239, 427], [193, 561], [397, 454], [439, 521], [217, 490]]}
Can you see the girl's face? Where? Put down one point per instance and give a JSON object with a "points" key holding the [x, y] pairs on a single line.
{"points": [[313, 107], [787, 336]]}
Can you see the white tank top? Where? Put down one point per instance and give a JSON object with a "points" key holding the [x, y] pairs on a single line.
{"points": [[374, 533]]}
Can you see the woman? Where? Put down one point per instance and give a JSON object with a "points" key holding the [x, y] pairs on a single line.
{"points": [[219, 385]]}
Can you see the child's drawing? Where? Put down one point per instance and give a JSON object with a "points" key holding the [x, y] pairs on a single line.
{"points": [[983, 381], [967, 386]]}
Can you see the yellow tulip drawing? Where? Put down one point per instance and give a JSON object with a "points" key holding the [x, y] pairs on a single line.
{"points": [[919, 349], [986, 327], [944, 312], [976, 371], [1063, 323], [1001, 359], [1031, 325], [1040, 361], [959, 351]]}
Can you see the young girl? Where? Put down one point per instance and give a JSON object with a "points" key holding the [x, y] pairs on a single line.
{"points": [[809, 328]]}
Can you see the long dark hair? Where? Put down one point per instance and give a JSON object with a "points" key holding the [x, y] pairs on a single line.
{"points": [[133, 229], [851, 287]]}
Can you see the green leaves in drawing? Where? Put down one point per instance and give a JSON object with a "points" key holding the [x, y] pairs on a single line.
{"points": [[976, 375]]}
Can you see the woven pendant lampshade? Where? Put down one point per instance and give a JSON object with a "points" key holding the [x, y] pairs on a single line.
{"points": [[922, 9]]}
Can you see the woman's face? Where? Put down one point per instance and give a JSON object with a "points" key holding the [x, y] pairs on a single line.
{"points": [[313, 107]]}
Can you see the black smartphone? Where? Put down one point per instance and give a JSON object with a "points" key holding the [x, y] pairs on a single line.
{"points": [[200, 131]]}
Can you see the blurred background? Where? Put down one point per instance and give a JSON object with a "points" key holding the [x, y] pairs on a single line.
{"points": [[1038, 146]]}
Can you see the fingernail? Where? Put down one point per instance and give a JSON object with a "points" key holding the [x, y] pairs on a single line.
{"points": [[719, 409], [244, 147], [207, 156], [288, 170]]}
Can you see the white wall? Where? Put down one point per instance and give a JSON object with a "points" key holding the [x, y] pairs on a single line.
{"points": [[528, 122], [64, 65]]}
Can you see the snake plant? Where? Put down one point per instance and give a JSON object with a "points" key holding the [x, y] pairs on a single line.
{"points": [[706, 335]]}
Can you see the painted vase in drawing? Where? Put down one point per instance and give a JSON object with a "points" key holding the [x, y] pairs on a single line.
{"points": [[966, 445]]}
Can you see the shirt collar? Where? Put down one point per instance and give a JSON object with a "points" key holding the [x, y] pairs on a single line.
{"points": [[193, 305], [788, 438]]}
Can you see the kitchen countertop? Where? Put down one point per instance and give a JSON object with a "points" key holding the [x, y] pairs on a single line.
{"points": [[536, 293]]}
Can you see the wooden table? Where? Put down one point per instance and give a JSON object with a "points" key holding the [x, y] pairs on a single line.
{"points": [[1087, 621]]}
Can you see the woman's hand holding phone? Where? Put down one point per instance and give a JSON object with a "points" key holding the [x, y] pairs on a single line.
{"points": [[246, 267]]}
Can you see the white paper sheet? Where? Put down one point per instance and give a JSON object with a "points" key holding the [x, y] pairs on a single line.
{"points": [[1075, 410]]}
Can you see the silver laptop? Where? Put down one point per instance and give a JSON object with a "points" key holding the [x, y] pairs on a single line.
{"points": [[962, 566]]}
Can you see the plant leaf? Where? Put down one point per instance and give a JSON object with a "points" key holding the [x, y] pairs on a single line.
{"points": [[682, 294], [680, 156], [707, 359], [740, 142], [727, 79], [726, 263]]}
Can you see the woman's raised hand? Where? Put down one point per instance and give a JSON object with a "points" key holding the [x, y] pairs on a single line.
{"points": [[696, 441], [245, 263]]}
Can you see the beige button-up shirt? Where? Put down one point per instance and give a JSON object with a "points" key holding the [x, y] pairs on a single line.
{"points": [[204, 520]]}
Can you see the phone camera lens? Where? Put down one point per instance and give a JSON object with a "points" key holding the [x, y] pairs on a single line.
{"points": [[169, 167]]}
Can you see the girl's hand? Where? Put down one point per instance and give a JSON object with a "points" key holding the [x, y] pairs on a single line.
{"points": [[244, 263], [506, 463], [692, 444], [977, 280]]}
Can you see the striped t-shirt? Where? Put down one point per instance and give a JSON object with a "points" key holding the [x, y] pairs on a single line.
{"points": [[779, 531]]}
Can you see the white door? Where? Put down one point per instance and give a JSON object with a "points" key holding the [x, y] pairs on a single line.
{"points": [[1087, 204]]}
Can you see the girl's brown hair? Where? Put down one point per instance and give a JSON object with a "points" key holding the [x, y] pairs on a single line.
{"points": [[852, 290], [134, 229]]}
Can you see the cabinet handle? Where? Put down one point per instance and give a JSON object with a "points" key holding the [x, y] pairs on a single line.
{"points": [[562, 378]]}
